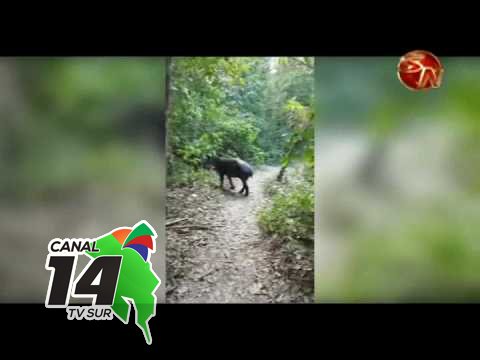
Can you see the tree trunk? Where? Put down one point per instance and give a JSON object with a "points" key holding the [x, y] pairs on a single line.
{"points": [[281, 173]]}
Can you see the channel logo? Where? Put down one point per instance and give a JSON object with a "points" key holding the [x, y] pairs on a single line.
{"points": [[118, 276]]}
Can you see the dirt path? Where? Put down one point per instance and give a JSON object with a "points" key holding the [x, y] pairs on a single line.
{"points": [[229, 261]]}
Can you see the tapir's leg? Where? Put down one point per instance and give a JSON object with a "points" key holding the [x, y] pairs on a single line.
{"points": [[244, 186], [231, 183], [221, 180]]}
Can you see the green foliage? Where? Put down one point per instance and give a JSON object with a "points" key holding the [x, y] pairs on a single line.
{"points": [[302, 140], [185, 175], [237, 107], [290, 215], [207, 117], [289, 99]]}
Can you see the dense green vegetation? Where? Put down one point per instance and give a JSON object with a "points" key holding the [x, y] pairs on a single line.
{"points": [[290, 213], [70, 123], [257, 109]]}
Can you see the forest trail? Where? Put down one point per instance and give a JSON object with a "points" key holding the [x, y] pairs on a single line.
{"points": [[232, 262]]}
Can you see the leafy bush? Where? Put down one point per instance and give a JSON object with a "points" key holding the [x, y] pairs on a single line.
{"points": [[290, 215], [185, 175]]}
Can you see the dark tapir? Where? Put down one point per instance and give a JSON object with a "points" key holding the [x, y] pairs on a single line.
{"points": [[233, 168]]}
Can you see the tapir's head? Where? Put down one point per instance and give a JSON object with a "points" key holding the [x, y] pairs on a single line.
{"points": [[209, 162]]}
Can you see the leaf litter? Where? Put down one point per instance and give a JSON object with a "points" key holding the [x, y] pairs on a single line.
{"points": [[218, 254]]}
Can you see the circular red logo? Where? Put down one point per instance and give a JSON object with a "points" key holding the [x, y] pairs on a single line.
{"points": [[420, 70]]}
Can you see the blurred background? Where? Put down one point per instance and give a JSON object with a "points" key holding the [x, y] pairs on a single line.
{"points": [[81, 153], [397, 183]]}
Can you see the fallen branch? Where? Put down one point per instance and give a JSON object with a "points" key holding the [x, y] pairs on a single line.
{"points": [[201, 277], [170, 289], [169, 223]]}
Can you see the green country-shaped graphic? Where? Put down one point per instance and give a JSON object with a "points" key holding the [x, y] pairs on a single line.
{"points": [[136, 281]]}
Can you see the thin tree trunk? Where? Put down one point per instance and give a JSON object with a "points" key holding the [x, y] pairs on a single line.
{"points": [[281, 173]]}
